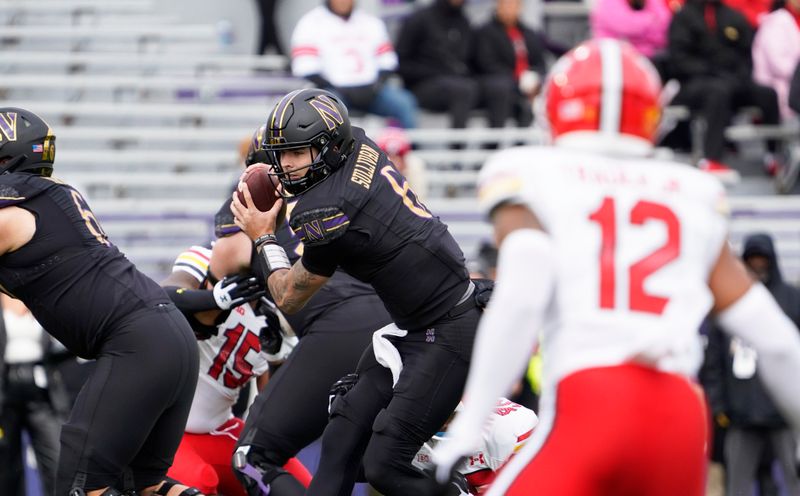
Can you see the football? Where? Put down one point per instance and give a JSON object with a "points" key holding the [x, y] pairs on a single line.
{"points": [[262, 185]]}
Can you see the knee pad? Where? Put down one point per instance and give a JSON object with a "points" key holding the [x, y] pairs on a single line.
{"points": [[378, 456], [252, 467], [384, 424]]}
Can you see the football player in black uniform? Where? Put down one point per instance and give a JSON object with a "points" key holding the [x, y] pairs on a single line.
{"points": [[355, 211], [54, 256], [334, 327]]}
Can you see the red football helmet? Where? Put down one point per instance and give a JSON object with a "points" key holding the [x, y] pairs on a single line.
{"points": [[601, 90]]}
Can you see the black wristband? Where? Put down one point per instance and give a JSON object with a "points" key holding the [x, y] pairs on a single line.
{"points": [[265, 239]]}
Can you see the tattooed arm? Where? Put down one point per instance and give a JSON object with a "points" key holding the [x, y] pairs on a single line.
{"points": [[292, 288]]}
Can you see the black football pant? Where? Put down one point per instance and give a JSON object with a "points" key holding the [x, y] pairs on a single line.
{"points": [[292, 410], [388, 426], [129, 417]]}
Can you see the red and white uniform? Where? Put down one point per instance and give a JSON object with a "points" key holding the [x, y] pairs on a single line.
{"points": [[509, 427], [347, 52], [633, 243], [228, 361], [609, 261]]}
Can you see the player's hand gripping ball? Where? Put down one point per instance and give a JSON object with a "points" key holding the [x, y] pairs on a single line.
{"points": [[262, 185]]}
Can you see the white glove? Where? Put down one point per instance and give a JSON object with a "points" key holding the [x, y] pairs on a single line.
{"points": [[236, 289]]}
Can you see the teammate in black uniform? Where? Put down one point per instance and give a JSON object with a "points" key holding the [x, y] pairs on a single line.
{"points": [[355, 211], [54, 256], [334, 328]]}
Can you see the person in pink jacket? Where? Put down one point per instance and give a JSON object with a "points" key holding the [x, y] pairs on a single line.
{"points": [[776, 51], [642, 23]]}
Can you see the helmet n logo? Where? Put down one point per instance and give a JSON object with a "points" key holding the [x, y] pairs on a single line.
{"points": [[328, 110], [48, 148], [8, 126]]}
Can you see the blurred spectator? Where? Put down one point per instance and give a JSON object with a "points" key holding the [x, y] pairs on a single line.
{"points": [[642, 23], [710, 54], [484, 264], [268, 40], [347, 51], [674, 5], [737, 397], [32, 400], [434, 47], [395, 142], [794, 91], [753, 10], [510, 57], [776, 51]]}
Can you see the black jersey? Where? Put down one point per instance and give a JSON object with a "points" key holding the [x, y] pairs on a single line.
{"points": [[75, 282], [366, 220], [338, 290]]}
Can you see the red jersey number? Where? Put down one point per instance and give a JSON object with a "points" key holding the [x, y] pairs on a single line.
{"points": [[639, 300], [239, 347]]}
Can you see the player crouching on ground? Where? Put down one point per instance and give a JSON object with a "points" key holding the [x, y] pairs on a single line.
{"points": [[239, 337]]}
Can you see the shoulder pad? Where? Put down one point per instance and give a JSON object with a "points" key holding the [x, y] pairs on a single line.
{"points": [[223, 221], [194, 262], [319, 225], [18, 188]]}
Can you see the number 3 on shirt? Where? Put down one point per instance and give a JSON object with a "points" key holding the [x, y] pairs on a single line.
{"points": [[644, 211]]}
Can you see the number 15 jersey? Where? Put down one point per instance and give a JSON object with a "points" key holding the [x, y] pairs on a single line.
{"points": [[635, 240]]}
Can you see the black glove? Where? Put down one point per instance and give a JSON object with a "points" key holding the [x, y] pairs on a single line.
{"points": [[270, 335], [483, 292], [340, 388], [236, 289]]}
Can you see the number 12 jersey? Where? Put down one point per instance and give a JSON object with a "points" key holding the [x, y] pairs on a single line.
{"points": [[635, 241]]}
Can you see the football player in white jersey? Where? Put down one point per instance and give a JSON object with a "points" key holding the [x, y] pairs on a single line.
{"points": [[614, 258], [230, 356], [509, 427]]}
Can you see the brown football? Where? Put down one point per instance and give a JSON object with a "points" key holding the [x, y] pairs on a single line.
{"points": [[262, 185]]}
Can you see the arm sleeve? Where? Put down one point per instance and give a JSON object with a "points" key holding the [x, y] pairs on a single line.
{"points": [[191, 301], [508, 330], [758, 320]]}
